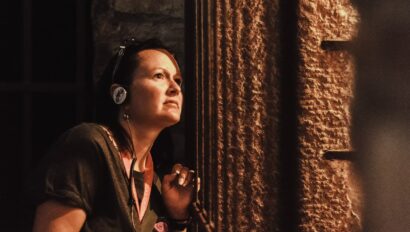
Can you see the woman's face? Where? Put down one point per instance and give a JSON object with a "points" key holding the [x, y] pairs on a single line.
{"points": [[155, 91]]}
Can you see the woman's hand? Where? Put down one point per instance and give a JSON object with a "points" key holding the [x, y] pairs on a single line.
{"points": [[177, 189]]}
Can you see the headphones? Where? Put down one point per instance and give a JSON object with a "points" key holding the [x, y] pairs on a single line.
{"points": [[119, 94]]}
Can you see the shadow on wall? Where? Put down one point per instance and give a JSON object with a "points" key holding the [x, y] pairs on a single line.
{"points": [[381, 125]]}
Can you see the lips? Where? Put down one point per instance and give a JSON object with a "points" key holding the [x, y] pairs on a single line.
{"points": [[172, 102]]}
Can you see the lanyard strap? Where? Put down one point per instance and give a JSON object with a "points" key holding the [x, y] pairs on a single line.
{"points": [[148, 179]]}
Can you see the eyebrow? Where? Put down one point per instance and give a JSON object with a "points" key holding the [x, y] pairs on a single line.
{"points": [[177, 74]]}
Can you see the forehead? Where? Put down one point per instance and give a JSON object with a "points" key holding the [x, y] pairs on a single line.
{"points": [[157, 58]]}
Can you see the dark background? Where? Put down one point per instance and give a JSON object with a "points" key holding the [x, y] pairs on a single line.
{"points": [[45, 88]]}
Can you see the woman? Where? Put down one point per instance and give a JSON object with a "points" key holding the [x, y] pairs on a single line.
{"points": [[100, 176]]}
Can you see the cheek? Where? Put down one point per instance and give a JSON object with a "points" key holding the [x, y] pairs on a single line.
{"points": [[147, 96]]}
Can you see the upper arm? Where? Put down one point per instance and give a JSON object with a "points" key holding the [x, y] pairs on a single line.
{"points": [[71, 172], [54, 216], [65, 184]]}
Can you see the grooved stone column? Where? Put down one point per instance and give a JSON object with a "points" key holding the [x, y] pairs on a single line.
{"points": [[325, 91], [246, 111]]}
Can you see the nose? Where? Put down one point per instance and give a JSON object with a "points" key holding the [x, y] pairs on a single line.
{"points": [[173, 88]]}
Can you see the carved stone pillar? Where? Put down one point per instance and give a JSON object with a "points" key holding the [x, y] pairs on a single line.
{"points": [[237, 100], [265, 119]]}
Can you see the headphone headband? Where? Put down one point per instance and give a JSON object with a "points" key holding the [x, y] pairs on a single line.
{"points": [[117, 62], [120, 54]]}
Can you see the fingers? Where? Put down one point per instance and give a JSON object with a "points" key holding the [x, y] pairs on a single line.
{"points": [[184, 175], [177, 168]]}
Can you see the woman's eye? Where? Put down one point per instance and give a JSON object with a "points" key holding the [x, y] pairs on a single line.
{"points": [[159, 76], [178, 81]]}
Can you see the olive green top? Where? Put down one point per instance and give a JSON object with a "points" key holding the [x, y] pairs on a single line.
{"points": [[84, 170]]}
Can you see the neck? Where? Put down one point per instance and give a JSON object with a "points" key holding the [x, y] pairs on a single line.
{"points": [[142, 138]]}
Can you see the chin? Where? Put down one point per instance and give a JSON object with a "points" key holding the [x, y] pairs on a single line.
{"points": [[170, 120]]}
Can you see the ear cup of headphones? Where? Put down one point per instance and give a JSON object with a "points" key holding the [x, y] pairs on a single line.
{"points": [[119, 95]]}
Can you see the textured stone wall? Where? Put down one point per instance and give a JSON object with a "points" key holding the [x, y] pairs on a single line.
{"points": [[246, 111], [248, 106], [330, 199], [115, 20]]}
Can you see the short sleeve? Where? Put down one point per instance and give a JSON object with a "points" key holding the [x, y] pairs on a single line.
{"points": [[71, 172]]}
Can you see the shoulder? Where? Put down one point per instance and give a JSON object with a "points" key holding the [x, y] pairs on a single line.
{"points": [[85, 130], [90, 132], [85, 138]]}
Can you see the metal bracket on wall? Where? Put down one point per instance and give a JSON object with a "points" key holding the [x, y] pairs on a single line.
{"points": [[340, 155], [336, 45]]}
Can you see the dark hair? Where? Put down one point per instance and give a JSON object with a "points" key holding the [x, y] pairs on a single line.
{"points": [[125, 65]]}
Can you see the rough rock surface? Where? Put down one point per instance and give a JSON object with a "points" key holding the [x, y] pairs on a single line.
{"points": [[115, 20], [330, 198], [247, 102]]}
